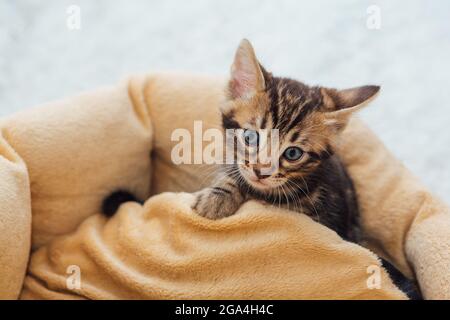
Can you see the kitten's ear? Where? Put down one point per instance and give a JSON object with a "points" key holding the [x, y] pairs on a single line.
{"points": [[341, 104], [246, 75]]}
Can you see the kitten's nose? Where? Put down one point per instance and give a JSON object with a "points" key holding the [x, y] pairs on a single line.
{"points": [[259, 174]]}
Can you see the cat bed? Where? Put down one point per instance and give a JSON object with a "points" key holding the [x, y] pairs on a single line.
{"points": [[59, 161]]}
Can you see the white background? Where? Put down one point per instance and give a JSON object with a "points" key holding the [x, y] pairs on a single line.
{"points": [[319, 42]]}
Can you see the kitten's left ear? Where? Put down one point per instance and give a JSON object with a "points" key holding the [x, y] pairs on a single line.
{"points": [[341, 104]]}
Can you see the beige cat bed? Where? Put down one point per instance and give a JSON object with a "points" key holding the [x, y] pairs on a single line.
{"points": [[60, 160]]}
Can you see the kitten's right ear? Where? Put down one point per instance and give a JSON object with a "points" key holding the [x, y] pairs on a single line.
{"points": [[246, 75], [339, 105]]}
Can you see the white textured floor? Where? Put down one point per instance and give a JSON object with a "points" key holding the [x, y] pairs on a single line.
{"points": [[320, 42]]}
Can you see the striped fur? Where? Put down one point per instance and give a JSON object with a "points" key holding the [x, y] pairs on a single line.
{"points": [[317, 184], [307, 117]]}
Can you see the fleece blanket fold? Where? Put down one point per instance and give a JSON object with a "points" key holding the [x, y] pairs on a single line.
{"points": [[15, 219], [63, 158], [165, 251]]}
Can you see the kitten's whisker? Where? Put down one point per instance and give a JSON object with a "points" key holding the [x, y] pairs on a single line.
{"points": [[209, 173], [310, 200], [297, 198], [287, 198], [279, 197], [306, 184]]}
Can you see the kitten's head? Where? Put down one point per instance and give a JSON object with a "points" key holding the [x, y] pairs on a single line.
{"points": [[308, 119]]}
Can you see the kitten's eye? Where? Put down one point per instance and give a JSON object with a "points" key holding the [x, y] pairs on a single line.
{"points": [[251, 137], [293, 153]]}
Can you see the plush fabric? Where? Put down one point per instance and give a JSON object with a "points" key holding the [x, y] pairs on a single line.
{"points": [[165, 251], [15, 219], [80, 149], [74, 152], [402, 220]]}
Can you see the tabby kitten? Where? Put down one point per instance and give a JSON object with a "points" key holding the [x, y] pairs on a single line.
{"points": [[310, 177]]}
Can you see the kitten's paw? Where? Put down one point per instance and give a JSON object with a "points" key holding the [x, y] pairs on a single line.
{"points": [[215, 203]]}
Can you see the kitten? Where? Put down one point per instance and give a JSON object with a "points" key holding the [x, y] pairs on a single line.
{"points": [[310, 177]]}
